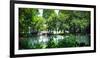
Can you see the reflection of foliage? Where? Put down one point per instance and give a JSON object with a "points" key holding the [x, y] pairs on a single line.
{"points": [[38, 45], [68, 42], [52, 43], [26, 44]]}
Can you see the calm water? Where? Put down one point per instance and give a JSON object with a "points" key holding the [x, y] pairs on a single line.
{"points": [[44, 39]]}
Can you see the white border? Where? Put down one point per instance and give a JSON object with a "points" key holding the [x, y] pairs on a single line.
{"points": [[55, 49]]}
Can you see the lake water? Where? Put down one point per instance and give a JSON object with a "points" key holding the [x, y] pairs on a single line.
{"points": [[44, 39]]}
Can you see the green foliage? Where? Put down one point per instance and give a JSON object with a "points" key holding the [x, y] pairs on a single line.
{"points": [[47, 13], [25, 19], [68, 42], [24, 43], [73, 21], [38, 46], [52, 43], [38, 23], [80, 21], [66, 20]]}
